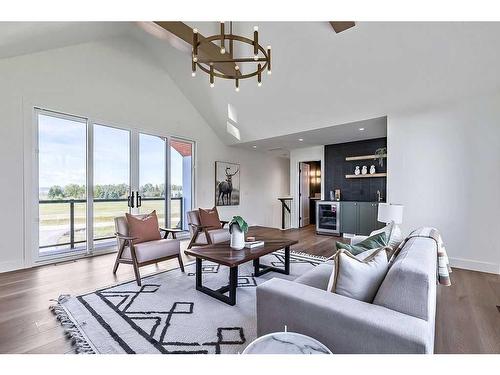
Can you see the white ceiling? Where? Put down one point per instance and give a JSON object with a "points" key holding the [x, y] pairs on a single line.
{"points": [[354, 131], [19, 38], [320, 79]]}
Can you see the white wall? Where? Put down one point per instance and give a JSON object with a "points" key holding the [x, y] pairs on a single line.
{"points": [[298, 155], [444, 166], [115, 82]]}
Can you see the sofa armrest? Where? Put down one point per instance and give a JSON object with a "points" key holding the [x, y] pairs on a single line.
{"points": [[343, 324]]}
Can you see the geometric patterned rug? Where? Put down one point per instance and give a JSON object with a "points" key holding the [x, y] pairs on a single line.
{"points": [[168, 315]]}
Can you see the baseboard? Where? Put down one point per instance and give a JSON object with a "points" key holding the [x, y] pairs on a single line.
{"points": [[11, 266], [475, 265]]}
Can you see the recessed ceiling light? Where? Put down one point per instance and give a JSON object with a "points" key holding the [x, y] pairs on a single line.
{"points": [[301, 139], [361, 129]]}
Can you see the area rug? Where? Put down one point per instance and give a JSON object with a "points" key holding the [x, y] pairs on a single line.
{"points": [[168, 315]]}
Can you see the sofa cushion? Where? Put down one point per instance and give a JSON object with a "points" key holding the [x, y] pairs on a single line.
{"points": [[210, 218], [317, 277], [410, 284], [143, 228], [372, 242], [356, 278], [151, 250]]}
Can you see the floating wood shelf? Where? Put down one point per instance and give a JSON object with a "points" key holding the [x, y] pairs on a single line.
{"points": [[365, 157], [366, 175]]}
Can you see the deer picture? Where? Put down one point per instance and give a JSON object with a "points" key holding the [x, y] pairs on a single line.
{"points": [[226, 188]]}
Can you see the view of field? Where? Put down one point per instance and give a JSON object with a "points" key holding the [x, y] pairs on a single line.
{"points": [[55, 219]]}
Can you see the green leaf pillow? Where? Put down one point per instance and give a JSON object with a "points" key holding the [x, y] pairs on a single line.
{"points": [[372, 242]]}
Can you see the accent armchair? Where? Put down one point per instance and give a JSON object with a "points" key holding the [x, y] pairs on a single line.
{"points": [[203, 235], [144, 253]]}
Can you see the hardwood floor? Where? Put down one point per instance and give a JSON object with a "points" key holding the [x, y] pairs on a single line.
{"points": [[467, 319]]}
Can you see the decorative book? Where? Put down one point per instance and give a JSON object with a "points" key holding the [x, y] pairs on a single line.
{"points": [[252, 244]]}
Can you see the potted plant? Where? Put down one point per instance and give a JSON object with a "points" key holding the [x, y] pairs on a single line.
{"points": [[381, 152], [238, 227]]}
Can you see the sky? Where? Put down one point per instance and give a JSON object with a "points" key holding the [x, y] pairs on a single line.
{"points": [[62, 151]]}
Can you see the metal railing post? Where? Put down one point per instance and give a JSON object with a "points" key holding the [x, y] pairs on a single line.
{"points": [[182, 214], [72, 223]]}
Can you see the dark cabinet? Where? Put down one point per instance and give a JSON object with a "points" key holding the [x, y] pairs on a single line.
{"points": [[359, 217], [348, 217]]}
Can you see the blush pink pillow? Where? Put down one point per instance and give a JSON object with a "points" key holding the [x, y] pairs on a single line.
{"points": [[144, 229]]}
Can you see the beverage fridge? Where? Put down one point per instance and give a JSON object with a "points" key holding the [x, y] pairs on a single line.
{"points": [[328, 217]]}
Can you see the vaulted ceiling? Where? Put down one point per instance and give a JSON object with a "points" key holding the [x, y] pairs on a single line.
{"points": [[319, 78]]}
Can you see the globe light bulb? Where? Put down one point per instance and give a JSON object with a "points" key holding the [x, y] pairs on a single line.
{"points": [[222, 50], [259, 84], [195, 31], [212, 85], [255, 57], [193, 74], [256, 28], [195, 59], [269, 72], [237, 89]]}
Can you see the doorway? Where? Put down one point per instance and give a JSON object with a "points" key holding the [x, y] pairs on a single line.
{"points": [[309, 191]]}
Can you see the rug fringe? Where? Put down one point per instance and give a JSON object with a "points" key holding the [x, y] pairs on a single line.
{"points": [[307, 255], [70, 328]]}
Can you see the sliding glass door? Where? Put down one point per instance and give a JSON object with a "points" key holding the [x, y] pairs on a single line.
{"points": [[89, 173], [111, 177], [181, 177], [153, 176], [62, 166]]}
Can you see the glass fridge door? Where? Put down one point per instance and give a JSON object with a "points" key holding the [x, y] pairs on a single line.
{"points": [[327, 216]]}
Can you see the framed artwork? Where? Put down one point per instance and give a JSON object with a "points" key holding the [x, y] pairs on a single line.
{"points": [[227, 184]]}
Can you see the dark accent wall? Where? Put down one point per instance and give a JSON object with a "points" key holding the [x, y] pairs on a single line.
{"points": [[336, 167]]}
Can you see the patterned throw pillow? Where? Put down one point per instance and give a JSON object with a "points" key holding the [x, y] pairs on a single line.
{"points": [[143, 228], [358, 278], [372, 242]]}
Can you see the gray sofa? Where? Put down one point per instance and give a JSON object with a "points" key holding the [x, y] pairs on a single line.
{"points": [[400, 319]]}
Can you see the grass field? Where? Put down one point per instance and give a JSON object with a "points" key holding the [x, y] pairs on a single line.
{"points": [[55, 219]]}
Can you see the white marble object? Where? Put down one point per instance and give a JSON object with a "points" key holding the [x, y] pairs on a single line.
{"points": [[364, 170], [372, 169], [286, 343], [237, 237], [356, 170]]}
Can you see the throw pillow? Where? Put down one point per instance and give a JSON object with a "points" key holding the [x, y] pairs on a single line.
{"points": [[210, 218], [372, 242], [393, 234], [143, 228], [356, 278]]}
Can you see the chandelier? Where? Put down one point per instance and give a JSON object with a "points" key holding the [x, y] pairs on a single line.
{"points": [[222, 63]]}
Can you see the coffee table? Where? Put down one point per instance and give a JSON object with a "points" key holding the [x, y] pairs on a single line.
{"points": [[223, 254]]}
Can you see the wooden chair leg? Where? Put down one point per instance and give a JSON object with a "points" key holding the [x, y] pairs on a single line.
{"points": [[137, 274], [118, 256], [181, 264], [193, 239]]}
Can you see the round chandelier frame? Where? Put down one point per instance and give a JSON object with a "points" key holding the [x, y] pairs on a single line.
{"points": [[216, 65]]}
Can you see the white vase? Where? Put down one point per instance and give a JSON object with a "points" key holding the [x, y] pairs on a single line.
{"points": [[237, 238], [364, 170]]}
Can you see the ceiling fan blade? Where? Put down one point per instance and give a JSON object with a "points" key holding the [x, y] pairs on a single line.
{"points": [[206, 50], [340, 26]]}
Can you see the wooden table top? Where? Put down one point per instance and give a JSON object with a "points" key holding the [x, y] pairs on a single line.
{"points": [[222, 253]]}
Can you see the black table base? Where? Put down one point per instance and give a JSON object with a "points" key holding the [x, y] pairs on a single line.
{"points": [[220, 293], [261, 269], [230, 299]]}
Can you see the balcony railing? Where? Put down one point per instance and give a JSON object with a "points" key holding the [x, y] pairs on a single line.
{"points": [[75, 213]]}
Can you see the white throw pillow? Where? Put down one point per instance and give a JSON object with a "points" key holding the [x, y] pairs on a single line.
{"points": [[359, 278], [360, 256]]}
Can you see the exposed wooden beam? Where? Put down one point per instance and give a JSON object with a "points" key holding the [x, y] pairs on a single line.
{"points": [[340, 26], [206, 50]]}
